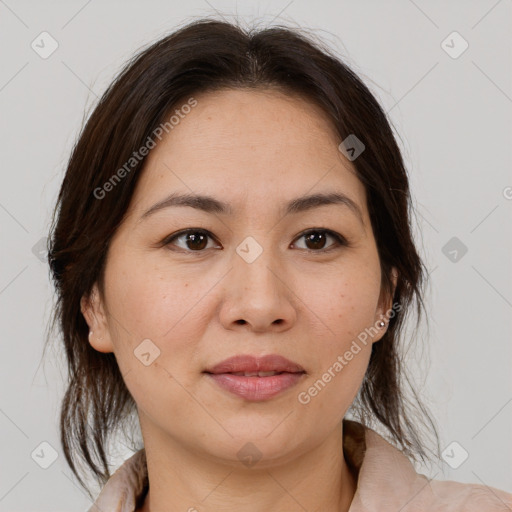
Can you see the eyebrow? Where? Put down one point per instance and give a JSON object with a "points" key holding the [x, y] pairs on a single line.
{"points": [[209, 204]]}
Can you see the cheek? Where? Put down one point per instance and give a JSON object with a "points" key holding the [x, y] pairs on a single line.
{"points": [[153, 301], [148, 304], [168, 307], [346, 307], [343, 303]]}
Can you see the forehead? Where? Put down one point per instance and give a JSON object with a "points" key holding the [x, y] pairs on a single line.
{"points": [[244, 144], [252, 117]]}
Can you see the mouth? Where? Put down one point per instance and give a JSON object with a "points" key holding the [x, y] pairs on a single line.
{"points": [[245, 363], [256, 378], [256, 374]]}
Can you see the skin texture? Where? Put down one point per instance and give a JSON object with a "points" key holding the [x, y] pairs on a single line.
{"points": [[256, 150]]}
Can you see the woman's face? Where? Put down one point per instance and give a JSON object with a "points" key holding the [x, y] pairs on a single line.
{"points": [[256, 283]]}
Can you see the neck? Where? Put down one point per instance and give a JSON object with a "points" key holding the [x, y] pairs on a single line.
{"points": [[318, 479]]}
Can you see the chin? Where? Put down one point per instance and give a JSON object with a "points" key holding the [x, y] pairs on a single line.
{"points": [[256, 442]]}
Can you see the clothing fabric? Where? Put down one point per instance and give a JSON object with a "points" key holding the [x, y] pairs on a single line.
{"points": [[386, 481]]}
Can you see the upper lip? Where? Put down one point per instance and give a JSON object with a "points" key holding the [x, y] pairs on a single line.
{"points": [[249, 363]]}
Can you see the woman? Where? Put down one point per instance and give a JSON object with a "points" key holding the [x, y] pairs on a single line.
{"points": [[234, 263]]}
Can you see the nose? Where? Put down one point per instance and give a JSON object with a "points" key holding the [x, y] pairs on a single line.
{"points": [[258, 295]]}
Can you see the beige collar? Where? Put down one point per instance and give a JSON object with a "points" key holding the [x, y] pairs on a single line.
{"points": [[386, 481]]}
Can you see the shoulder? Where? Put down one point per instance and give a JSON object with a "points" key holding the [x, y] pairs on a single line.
{"points": [[387, 480], [470, 497]]}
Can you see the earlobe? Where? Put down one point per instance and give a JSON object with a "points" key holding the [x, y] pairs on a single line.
{"points": [[92, 309], [380, 328]]}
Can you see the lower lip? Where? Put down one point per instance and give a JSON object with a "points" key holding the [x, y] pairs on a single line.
{"points": [[256, 388]]}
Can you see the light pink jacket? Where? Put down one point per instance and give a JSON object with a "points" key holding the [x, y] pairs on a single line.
{"points": [[387, 482]]}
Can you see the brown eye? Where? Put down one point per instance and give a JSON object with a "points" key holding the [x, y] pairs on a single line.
{"points": [[194, 240], [316, 240]]}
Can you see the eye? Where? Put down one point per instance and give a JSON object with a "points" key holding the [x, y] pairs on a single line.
{"points": [[316, 239], [194, 239]]}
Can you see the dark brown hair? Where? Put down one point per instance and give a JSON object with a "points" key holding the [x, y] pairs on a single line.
{"points": [[209, 55]]}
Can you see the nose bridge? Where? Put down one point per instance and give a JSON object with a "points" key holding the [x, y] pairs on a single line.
{"points": [[253, 263]]}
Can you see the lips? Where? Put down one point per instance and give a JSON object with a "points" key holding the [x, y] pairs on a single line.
{"points": [[256, 378], [247, 364], [255, 374]]}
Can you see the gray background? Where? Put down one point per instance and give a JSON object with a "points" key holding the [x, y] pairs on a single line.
{"points": [[454, 120]]}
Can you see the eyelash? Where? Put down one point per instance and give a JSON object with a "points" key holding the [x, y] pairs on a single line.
{"points": [[340, 240]]}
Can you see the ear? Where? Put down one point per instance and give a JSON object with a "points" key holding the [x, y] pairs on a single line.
{"points": [[384, 309], [93, 309]]}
